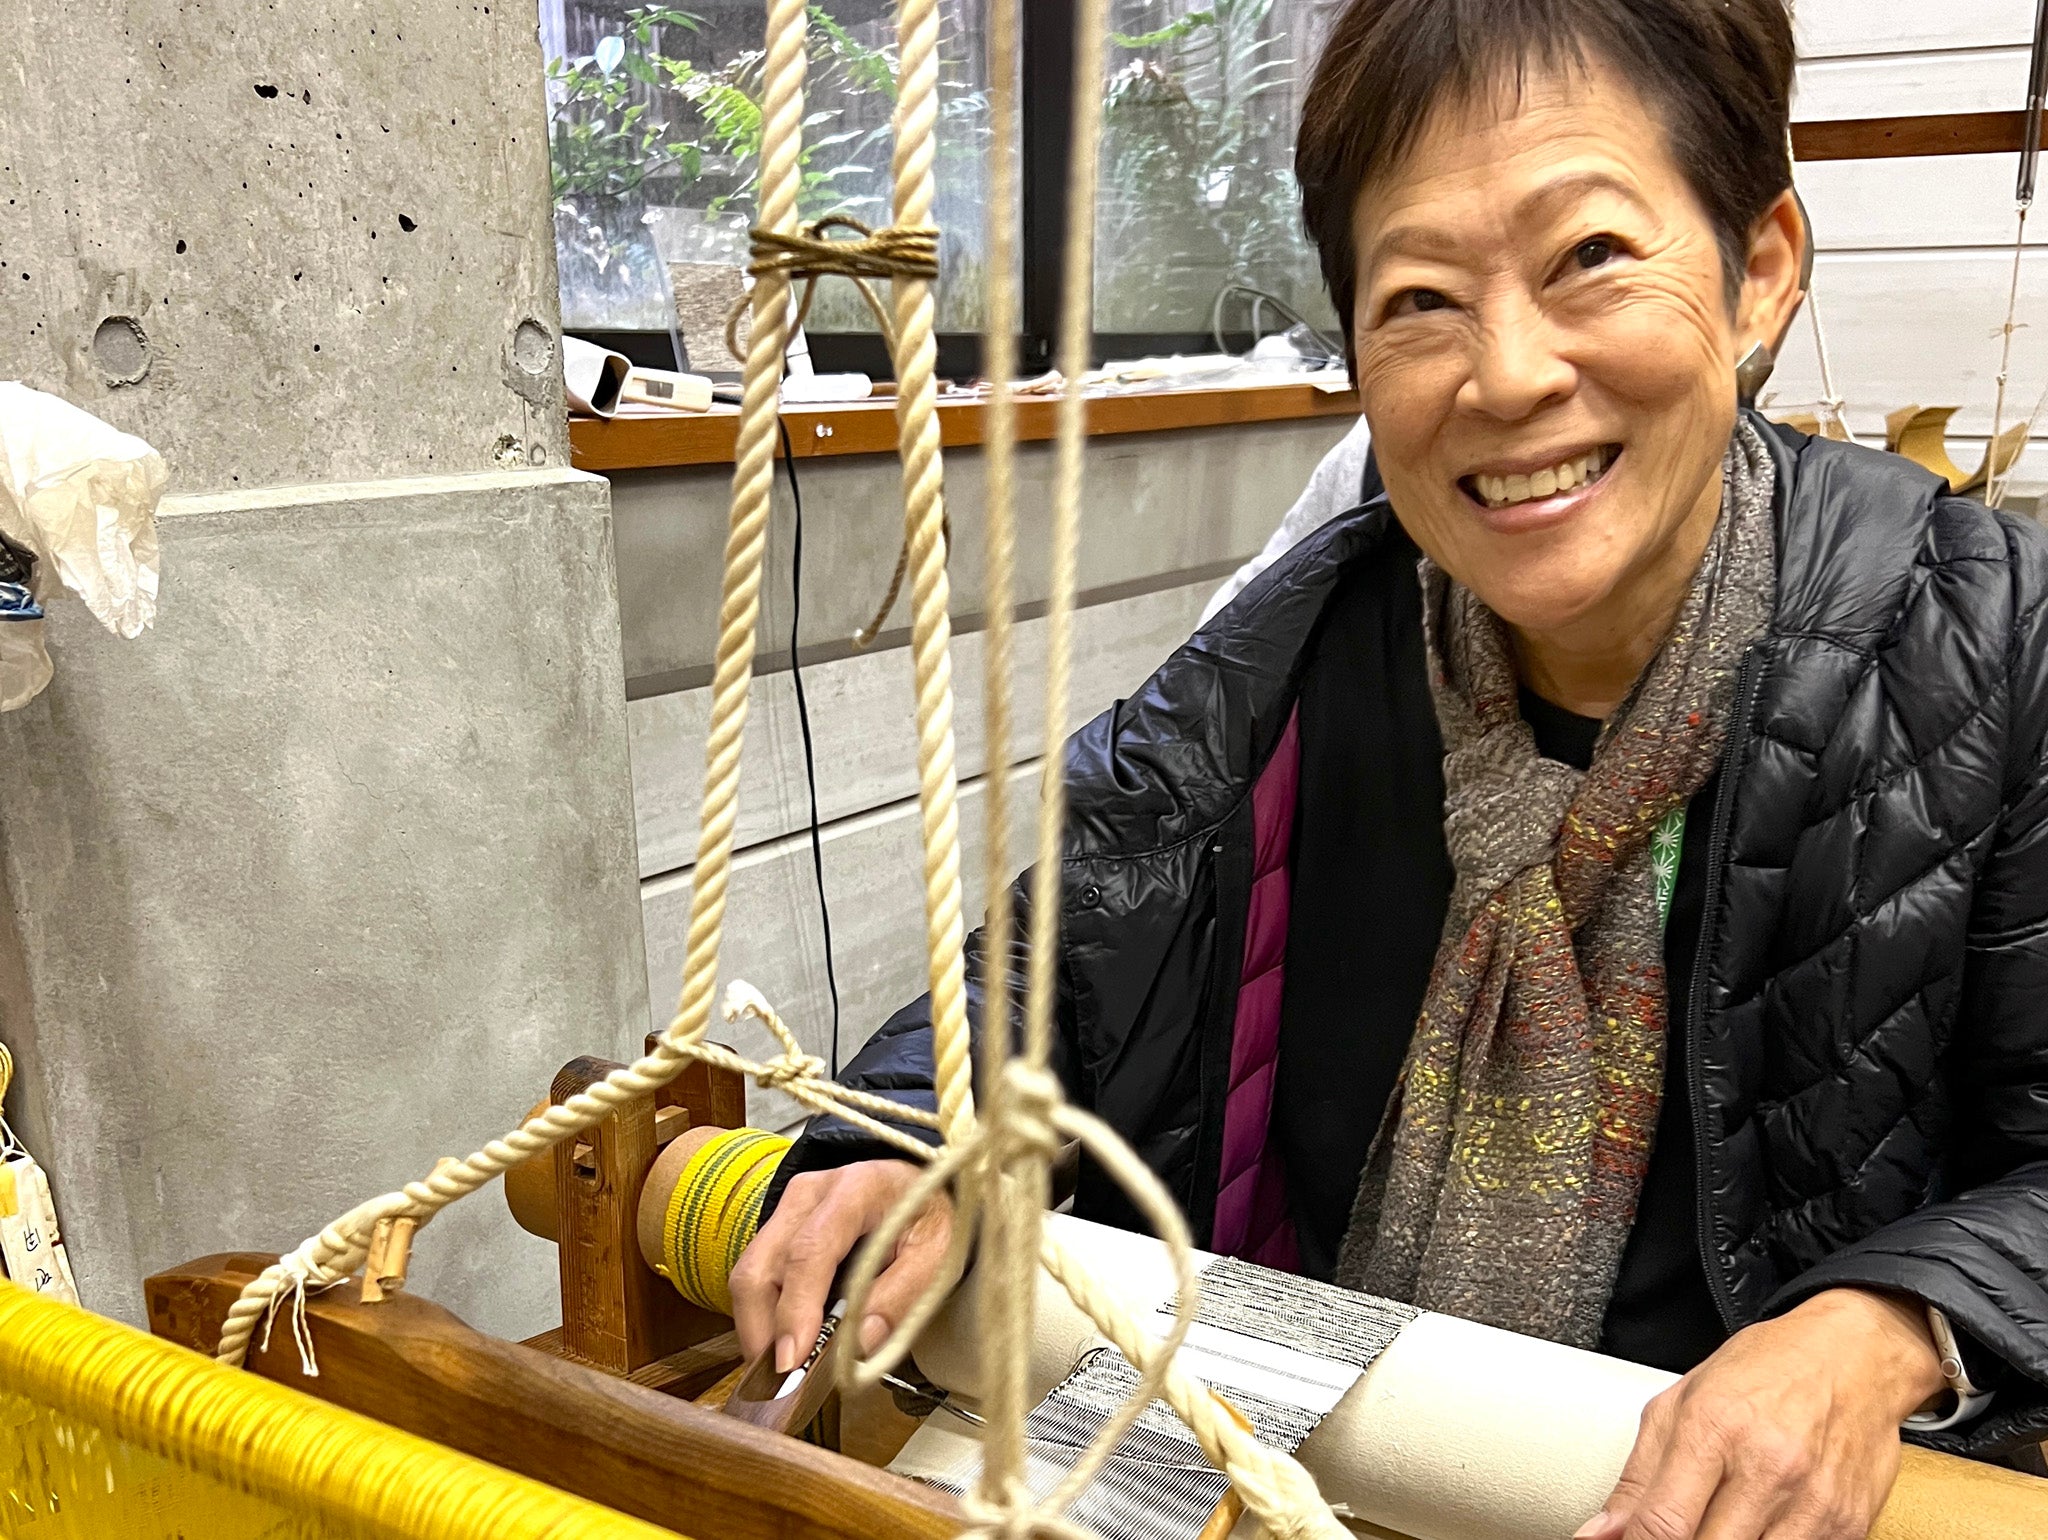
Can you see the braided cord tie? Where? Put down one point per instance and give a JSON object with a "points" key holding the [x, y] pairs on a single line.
{"points": [[893, 252], [917, 422]]}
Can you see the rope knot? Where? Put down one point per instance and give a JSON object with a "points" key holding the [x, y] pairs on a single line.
{"points": [[804, 256], [1022, 1122], [786, 1069], [894, 251]]}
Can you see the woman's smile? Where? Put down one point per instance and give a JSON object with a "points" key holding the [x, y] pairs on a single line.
{"points": [[1538, 492]]}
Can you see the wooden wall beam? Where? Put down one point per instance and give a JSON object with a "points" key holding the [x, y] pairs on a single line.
{"points": [[1956, 133]]}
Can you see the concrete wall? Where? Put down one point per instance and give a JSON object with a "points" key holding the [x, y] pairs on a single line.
{"points": [[301, 240], [327, 875]]}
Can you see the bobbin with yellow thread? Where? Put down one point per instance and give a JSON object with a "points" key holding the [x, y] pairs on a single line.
{"points": [[713, 1212]]}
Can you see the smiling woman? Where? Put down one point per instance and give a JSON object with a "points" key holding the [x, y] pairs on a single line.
{"points": [[1599, 887], [1532, 292]]}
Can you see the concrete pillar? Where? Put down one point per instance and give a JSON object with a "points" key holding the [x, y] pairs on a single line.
{"points": [[328, 874]]}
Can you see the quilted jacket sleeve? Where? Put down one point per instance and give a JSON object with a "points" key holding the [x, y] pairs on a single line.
{"points": [[1980, 1251], [897, 1061]]}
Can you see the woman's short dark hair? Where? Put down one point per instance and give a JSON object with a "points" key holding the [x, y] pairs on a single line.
{"points": [[1718, 73]]}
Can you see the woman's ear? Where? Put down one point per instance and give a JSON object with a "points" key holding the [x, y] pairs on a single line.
{"points": [[1775, 281]]}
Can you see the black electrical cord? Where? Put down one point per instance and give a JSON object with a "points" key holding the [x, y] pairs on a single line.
{"points": [[803, 719]]}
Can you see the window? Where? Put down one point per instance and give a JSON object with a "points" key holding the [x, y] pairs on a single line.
{"points": [[655, 133], [1197, 184]]}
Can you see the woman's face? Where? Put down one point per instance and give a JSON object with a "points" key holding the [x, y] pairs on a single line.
{"points": [[1546, 352]]}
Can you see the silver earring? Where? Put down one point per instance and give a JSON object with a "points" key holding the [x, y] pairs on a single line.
{"points": [[1754, 372]]}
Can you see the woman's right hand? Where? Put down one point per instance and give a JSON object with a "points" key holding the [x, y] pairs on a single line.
{"points": [[783, 1282]]}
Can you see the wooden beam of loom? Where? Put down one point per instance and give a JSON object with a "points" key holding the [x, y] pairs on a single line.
{"points": [[1955, 133], [409, 1363]]}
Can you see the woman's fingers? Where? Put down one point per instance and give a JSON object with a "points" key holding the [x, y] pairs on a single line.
{"points": [[1676, 1497], [810, 1262], [756, 1281], [919, 1255], [1653, 1432], [1750, 1508], [783, 1283]]}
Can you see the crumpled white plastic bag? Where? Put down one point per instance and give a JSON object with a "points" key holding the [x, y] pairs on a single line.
{"points": [[81, 497]]}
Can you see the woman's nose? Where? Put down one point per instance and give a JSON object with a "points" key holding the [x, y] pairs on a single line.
{"points": [[1518, 368]]}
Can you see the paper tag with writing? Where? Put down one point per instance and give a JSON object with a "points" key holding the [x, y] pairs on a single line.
{"points": [[30, 1248]]}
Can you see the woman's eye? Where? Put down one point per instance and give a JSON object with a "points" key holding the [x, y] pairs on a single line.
{"points": [[1418, 300], [1596, 252]]}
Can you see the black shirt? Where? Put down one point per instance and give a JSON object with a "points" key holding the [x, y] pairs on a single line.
{"points": [[1372, 884]]}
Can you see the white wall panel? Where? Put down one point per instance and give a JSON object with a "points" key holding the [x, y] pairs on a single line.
{"points": [[1921, 327], [1835, 27], [1883, 86], [863, 729], [1916, 254], [874, 879], [1939, 201]]}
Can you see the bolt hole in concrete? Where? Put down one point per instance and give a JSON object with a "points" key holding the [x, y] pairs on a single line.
{"points": [[121, 350], [533, 347]]}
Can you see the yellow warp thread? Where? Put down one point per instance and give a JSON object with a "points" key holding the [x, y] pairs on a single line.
{"points": [[105, 1431], [714, 1211]]}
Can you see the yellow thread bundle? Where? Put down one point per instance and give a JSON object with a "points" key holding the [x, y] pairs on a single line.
{"points": [[89, 1404], [714, 1211]]}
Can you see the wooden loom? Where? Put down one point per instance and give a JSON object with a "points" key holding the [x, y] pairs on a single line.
{"points": [[630, 1401]]}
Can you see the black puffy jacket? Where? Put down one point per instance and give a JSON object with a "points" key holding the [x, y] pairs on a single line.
{"points": [[1870, 1017]]}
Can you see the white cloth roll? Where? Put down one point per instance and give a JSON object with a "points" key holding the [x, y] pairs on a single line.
{"points": [[1456, 1432]]}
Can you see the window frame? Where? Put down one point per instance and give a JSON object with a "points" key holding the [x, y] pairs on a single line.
{"points": [[1046, 89]]}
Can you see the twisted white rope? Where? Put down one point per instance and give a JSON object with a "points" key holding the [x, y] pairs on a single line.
{"points": [[1000, 1491], [999, 1168], [931, 629], [1997, 484]]}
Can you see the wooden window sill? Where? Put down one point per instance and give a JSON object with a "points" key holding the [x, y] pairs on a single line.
{"points": [[644, 441]]}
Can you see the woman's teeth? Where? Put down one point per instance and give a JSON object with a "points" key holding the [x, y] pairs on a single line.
{"points": [[1505, 491]]}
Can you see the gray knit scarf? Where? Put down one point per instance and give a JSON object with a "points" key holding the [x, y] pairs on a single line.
{"points": [[1505, 1178]]}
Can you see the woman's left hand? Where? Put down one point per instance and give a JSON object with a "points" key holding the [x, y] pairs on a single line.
{"points": [[1789, 1432]]}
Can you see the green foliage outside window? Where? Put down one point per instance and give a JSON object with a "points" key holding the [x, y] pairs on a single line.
{"points": [[1198, 183]]}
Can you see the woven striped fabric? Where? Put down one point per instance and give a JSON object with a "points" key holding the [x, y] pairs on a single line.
{"points": [[1281, 1349]]}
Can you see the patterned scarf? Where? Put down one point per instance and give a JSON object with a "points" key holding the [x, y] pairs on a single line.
{"points": [[1504, 1181]]}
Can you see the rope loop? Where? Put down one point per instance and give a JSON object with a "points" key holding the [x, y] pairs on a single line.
{"points": [[1028, 1127], [804, 256]]}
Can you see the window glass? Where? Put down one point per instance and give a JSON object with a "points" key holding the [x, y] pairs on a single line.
{"points": [[655, 136], [1197, 172]]}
